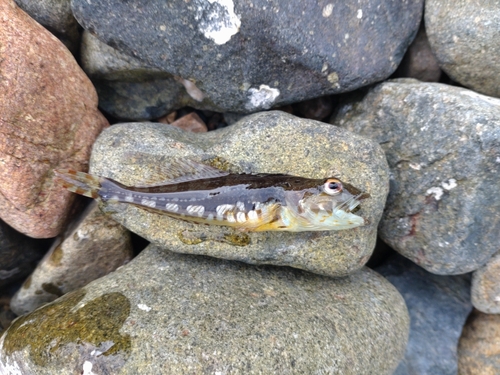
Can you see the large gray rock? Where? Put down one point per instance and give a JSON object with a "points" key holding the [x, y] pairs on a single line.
{"points": [[438, 307], [93, 246], [127, 87], [179, 314], [19, 254], [443, 148], [251, 55], [270, 142], [464, 36], [486, 287]]}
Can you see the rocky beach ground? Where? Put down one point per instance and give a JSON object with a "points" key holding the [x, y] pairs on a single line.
{"points": [[399, 99]]}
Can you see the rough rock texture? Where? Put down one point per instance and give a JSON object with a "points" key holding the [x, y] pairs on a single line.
{"points": [[464, 37], [251, 55], [49, 119], [129, 88], [419, 61], [479, 347], [443, 148], [438, 307], [270, 142], [486, 287], [18, 254], [94, 246], [57, 17], [180, 314]]}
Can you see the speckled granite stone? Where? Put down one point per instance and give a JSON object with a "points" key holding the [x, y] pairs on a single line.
{"points": [[272, 142]]}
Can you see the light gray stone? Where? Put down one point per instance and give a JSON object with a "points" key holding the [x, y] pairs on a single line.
{"points": [[181, 314], [486, 286], [464, 37], [270, 142], [92, 247]]}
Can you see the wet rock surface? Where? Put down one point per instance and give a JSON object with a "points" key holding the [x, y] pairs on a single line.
{"points": [[486, 287], [464, 37], [94, 246], [263, 143], [438, 307], [18, 254], [479, 348], [49, 119], [249, 56], [198, 314], [443, 148]]}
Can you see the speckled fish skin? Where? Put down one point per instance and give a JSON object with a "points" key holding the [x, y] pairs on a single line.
{"points": [[248, 202]]}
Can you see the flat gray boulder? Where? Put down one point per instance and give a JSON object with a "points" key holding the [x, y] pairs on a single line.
{"points": [[180, 314]]}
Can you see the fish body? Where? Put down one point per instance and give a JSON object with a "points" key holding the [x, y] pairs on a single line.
{"points": [[248, 202]]}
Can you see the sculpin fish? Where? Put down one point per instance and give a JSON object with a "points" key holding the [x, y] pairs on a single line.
{"points": [[248, 202]]}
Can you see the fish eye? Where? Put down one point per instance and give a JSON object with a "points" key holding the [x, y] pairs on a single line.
{"points": [[333, 186]]}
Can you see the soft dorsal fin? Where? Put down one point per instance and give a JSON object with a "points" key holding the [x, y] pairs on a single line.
{"points": [[180, 170]]}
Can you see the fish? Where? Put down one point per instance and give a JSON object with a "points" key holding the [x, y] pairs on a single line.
{"points": [[258, 202]]}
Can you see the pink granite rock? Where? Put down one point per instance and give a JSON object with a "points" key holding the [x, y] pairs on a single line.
{"points": [[48, 119]]}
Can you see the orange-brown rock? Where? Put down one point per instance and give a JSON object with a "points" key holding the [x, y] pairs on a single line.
{"points": [[48, 119], [191, 123], [479, 346]]}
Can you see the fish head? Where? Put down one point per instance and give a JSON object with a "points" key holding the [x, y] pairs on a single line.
{"points": [[328, 206]]}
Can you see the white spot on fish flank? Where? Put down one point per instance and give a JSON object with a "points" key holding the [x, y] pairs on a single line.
{"points": [[223, 208], [172, 207], [129, 198], [359, 15], [210, 217], [252, 215], [148, 203], [217, 20], [195, 210], [230, 217], [240, 206], [144, 307], [241, 217]]}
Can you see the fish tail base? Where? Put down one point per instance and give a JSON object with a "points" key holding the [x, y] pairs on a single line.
{"points": [[79, 182]]}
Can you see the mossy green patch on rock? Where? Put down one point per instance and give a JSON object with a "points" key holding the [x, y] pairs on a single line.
{"points": [[48, 329]]}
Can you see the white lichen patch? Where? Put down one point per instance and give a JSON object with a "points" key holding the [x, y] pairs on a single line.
{"points": [[451, 184], [436, 191], [217, 20], [261, 98], [144, 307]]}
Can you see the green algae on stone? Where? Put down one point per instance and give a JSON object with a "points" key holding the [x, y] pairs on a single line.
{"points": [[52, 289], [50, 328], [57, 255]]}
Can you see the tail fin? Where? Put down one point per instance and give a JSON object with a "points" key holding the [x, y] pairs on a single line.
{"points": [[79, 182]]}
